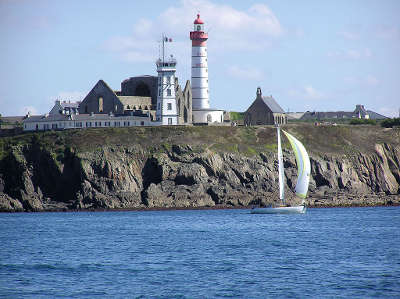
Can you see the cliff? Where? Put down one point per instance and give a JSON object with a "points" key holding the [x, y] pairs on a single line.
{"points": [[188, 167]]}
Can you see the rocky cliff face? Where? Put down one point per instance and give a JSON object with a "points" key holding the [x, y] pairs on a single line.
{"points": [[134, 177]]}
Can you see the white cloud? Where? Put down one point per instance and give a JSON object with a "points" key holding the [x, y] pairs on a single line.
{"points": [[368, 80], [28, 109], [389, 111], [311, 93], [387, 32], [371, 80], [229, 28], [72, 96], [307, 92], [351, 54], [247, 73], [350, 35]]}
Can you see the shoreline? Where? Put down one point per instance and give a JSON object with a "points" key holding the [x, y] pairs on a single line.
{"points": [[160, 209]]}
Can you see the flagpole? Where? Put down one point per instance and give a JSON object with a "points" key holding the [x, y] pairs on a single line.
{"points": [[163, 40]]}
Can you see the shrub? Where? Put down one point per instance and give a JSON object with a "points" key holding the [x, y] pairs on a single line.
{"points": [[236, 115], [359, 121], [391, 122]]}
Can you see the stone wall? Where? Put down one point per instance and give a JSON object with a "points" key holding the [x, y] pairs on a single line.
{"points": [[135, 86], [111, 103]]}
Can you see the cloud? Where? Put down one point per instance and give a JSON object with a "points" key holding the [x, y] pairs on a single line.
{"points": [[368, 80], [387, 32], [72, 96], [371, 80], [28, 109], [307, 92], [246, 73], [350, 35], [389, 111], [351, 54], [254, 28]]}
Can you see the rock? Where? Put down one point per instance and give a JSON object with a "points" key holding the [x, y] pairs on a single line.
{"points": [[8, 204], [131, 177]]}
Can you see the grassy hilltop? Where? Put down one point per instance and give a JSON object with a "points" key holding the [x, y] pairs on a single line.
{"points": [[249, 141]]}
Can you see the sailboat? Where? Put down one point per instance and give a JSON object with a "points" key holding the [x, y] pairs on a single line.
{"points": [[303, 178]]}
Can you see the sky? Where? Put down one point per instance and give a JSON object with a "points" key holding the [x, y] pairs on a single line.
{"points": [[310, 55]]}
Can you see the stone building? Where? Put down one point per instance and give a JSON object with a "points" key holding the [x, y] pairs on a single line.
{"points": [[137, 95], [264, 111], [359, 112], [65, 107]]}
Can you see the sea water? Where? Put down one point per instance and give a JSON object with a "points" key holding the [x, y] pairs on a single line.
{"points": [[336, 252]]}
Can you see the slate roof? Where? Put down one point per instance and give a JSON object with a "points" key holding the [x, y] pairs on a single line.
{"points": [[374, 115], [12, 119], [273, 105], [44, 118], [71, 105], [78, 117]]}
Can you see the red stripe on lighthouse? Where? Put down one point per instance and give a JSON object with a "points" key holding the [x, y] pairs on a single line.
{"points": [[198, 43]]}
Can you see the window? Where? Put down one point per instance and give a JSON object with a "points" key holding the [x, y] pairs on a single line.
{"points": [[159, 92], [169, 106], [168, 80], [209, 118], [159, 106], [169, 120], [142, 123], [198, 27], [100, 104], [168, 92]]}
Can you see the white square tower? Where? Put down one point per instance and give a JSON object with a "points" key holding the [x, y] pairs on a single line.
{"points": [[166, 112]]}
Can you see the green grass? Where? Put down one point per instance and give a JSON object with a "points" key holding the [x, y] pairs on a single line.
{"points": [[249, 141], [236, 115]]}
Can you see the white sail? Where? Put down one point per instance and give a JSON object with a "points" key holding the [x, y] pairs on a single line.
{"points": [[280, 167], [303, 165]]}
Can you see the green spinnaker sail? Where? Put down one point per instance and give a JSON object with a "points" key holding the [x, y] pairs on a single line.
{"points": [[303, 165]]}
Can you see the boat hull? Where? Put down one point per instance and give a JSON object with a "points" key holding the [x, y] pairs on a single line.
{"points": [[280, 210]]}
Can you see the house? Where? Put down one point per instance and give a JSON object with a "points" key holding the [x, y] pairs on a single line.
{"points": [[359, 112], [80, 121], [65, 107], [264, 111]]}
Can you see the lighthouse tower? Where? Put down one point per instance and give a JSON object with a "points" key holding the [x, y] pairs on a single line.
{"points": [[202, 113], [166, 112], [199, 66]]}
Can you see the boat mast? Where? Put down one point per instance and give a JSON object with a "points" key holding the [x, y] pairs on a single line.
{"points": [[280, 167]]}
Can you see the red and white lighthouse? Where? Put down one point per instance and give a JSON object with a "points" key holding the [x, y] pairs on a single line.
{"points": [[199, 66]]}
